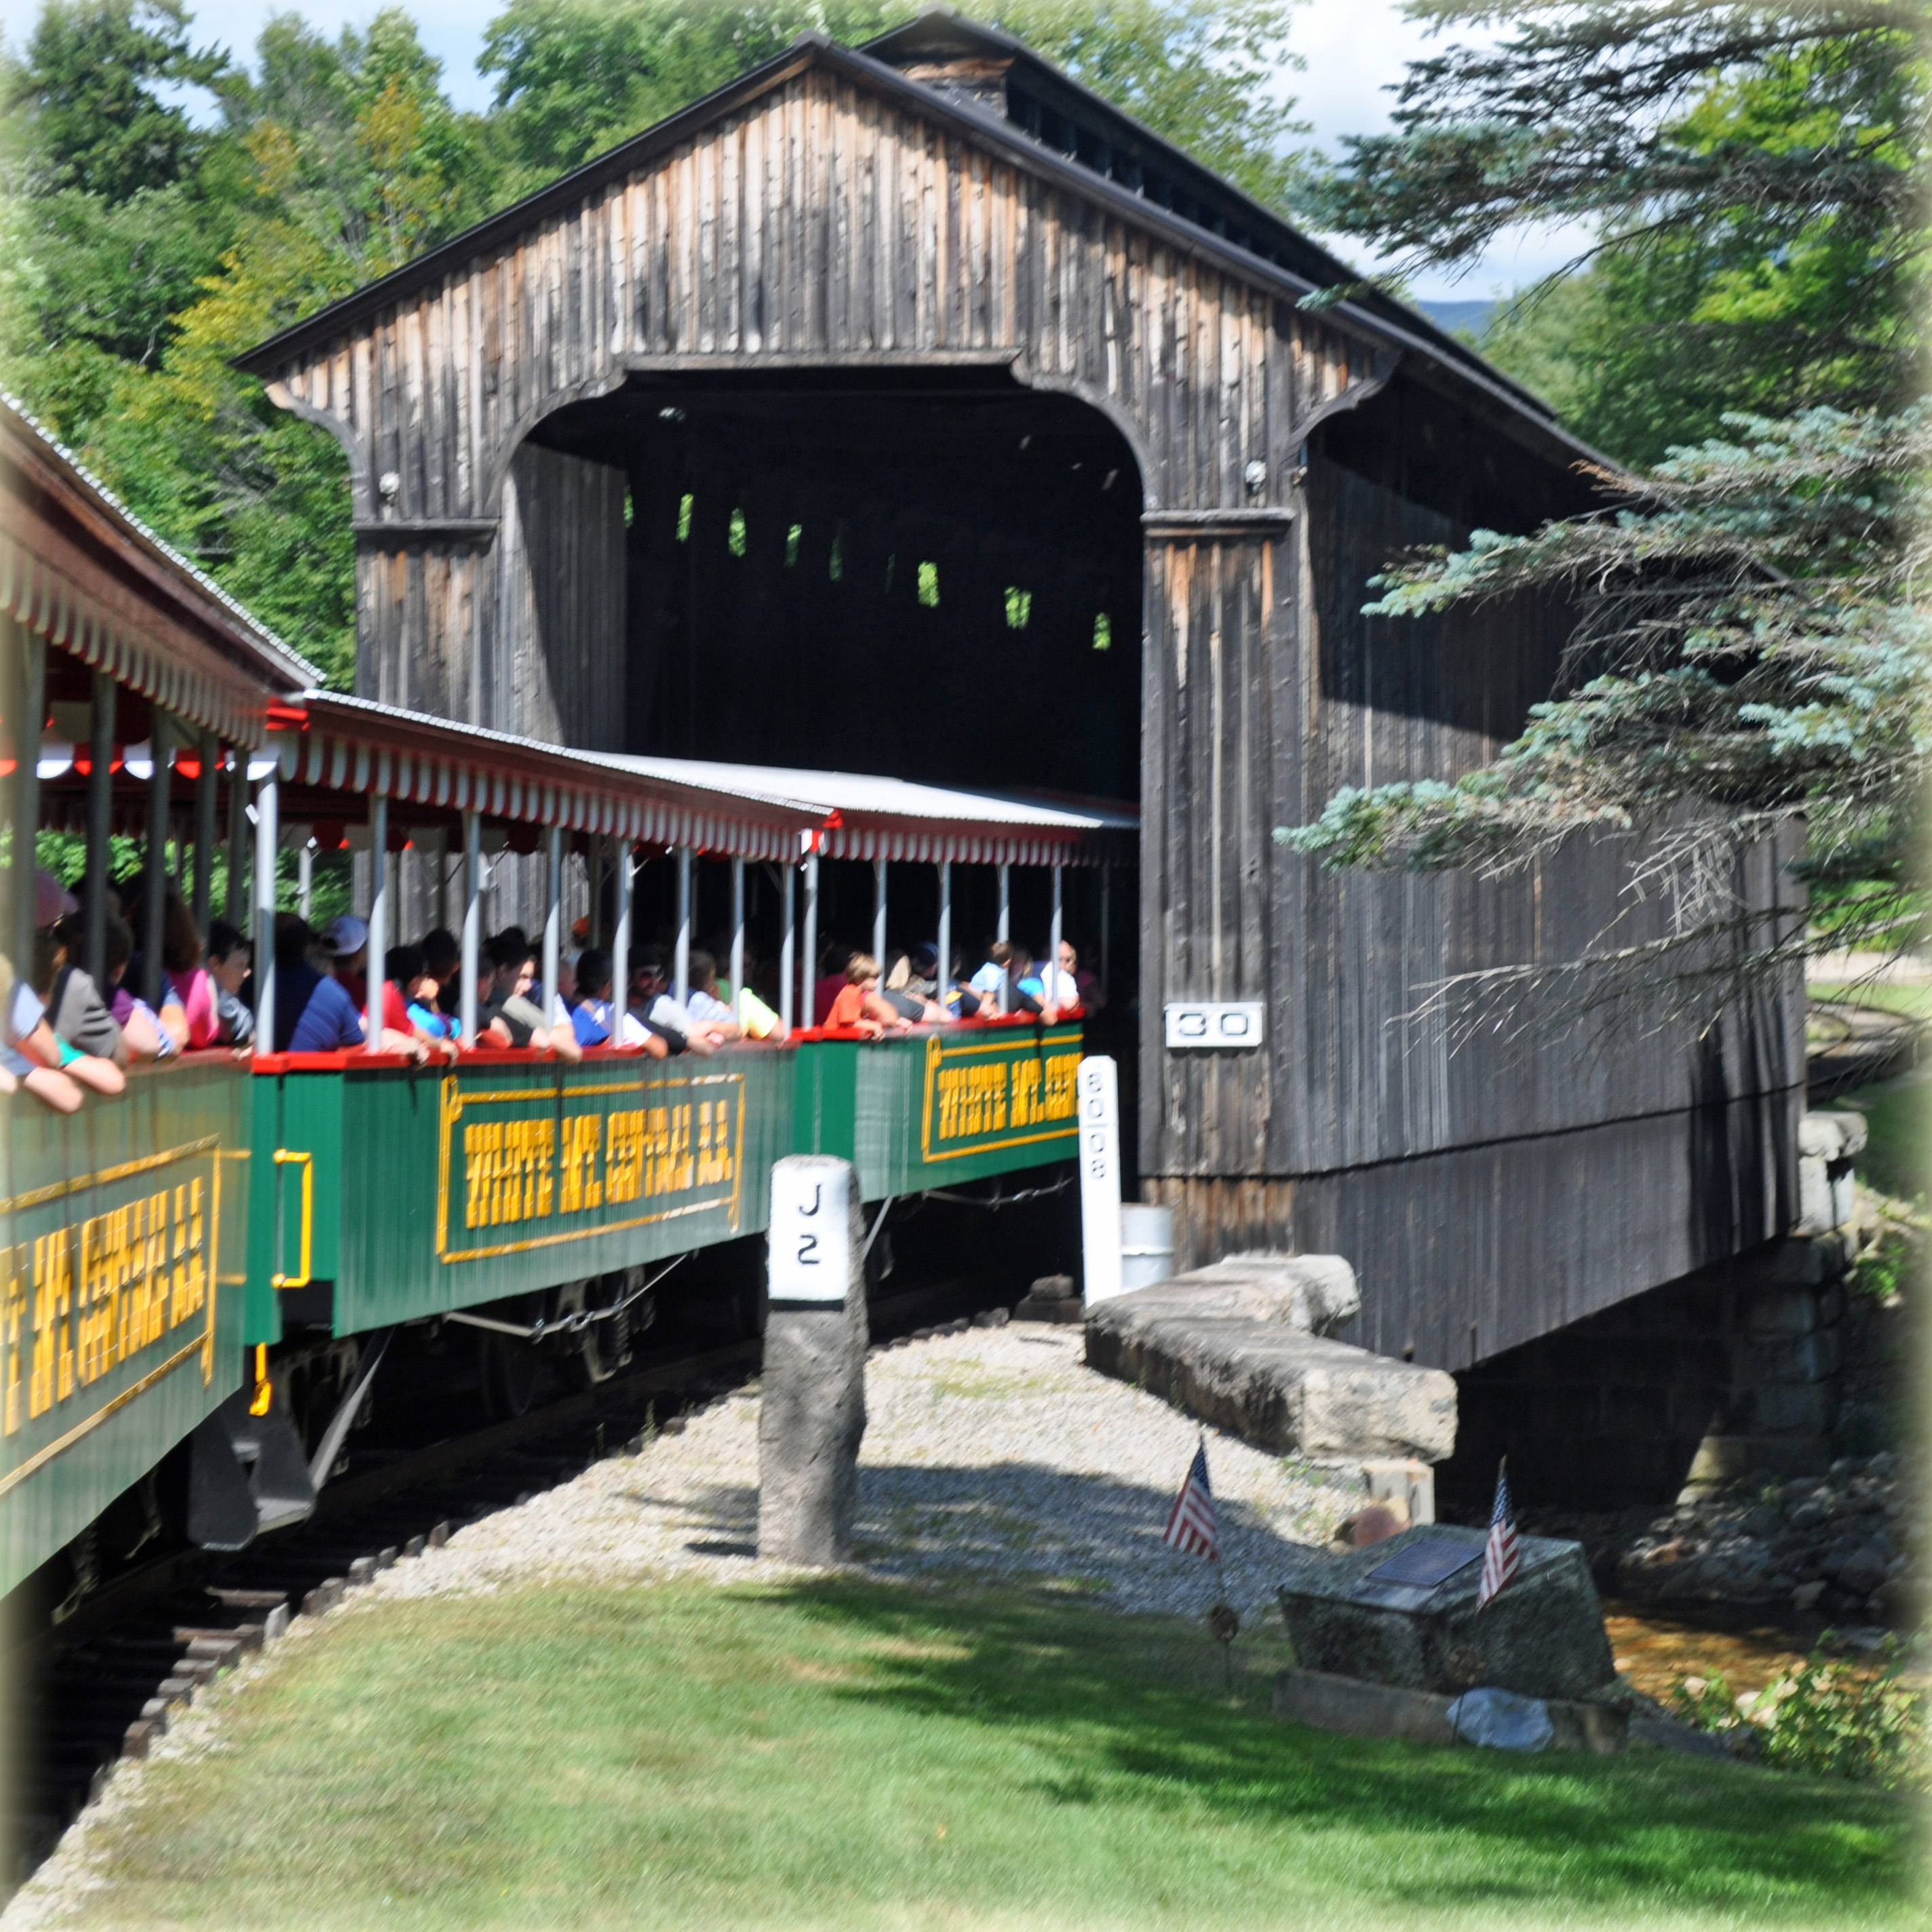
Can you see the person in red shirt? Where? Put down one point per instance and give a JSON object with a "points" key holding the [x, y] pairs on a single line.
{"points": [[859, 1005]]}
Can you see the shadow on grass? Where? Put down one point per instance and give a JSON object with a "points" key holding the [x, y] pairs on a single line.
{"points": [[1134, 1709], [1024, 1519]]}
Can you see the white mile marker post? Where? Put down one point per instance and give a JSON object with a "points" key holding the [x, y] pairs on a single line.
{"points": [[811, 1414], [1100, 1178]]}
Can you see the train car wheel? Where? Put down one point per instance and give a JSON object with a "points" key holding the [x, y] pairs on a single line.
{"points": [[507, 1368]]}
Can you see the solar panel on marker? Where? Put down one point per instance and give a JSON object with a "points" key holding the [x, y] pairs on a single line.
{"points": [[1190, 1527]]}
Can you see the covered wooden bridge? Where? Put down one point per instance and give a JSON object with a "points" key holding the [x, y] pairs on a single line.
{"points": [[911, 410]]}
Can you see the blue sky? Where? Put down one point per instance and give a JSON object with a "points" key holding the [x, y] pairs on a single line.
{"points": [[1355, 50]]}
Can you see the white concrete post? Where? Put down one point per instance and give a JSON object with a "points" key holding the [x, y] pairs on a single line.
{"points": [[1099, 1179]]}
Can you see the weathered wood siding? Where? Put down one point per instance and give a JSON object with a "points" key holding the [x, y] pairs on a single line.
{"points": [[825, 222]]}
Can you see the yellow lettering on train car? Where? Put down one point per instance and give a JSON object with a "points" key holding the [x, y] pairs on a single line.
{"points": [[509, 1170], [627, 1140], [582, 1185], [14, 1330]]}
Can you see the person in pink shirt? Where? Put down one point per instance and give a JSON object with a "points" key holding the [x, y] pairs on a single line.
{"points": [[180, 962]]}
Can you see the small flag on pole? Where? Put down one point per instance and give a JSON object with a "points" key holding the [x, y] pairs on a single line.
{"points": [[1501, 1555], [1191, 1525]]}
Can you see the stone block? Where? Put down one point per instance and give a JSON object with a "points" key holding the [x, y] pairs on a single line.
{"points": [[1785, 1311], [1826, 1198], [1543, 1635], [1358, 1708], [1202, 1345], [1779, 1408], [812, 1411], [1834, 1136], [1404, 1480], [1313, 1294], [1814, 1357], [1804, 1261]]}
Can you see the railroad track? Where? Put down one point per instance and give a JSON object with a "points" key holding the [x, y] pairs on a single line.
{"points": [[104, 1683]]}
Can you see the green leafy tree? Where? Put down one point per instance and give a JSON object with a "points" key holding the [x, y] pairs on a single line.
{"points": [[574, 76], [1752, 173], [1748, 647]]}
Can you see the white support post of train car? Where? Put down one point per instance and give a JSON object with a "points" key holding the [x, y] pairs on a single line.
{"points": [[552, 941], [305, 878], [945, 927], [680, 964], [738, 937], [155, 864], [620, 942], [808, 970], [268, 835], [593, 874], [1005, 930], [379, 919], [788, 955], [879, 912], [1050, 979], [472, 922], [100, 825], [237, 839], [32, 670], [207, 806]]}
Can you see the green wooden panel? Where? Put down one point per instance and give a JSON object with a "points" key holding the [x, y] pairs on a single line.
{"points": [[435, 1190], [122, 1271], [945, 1107]]}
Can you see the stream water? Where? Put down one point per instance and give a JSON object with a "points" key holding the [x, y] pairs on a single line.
{"points": [[1656, 1652]]}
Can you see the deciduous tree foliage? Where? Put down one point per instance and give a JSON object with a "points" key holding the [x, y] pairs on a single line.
{"points": [[141, 252], [1749, 646]]}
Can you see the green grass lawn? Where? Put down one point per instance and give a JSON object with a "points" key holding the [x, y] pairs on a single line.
{"points": [[844, 1754], [1912, 999], [1897, 1156]]}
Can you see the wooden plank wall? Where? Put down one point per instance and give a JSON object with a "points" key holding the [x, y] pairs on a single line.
{"points": [[823, 222]]}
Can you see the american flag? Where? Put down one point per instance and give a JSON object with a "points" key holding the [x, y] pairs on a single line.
{"points": [[1191, 1525], [1501, 1555]]}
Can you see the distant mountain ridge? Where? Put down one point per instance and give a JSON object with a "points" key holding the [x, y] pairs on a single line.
{"points": [[1467, 318]]}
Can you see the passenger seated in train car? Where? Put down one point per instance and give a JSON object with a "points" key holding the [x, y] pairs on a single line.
{"points": [[141, 1029], [407, 972], [838, 955], [861, 1007], [344, 945], [442, 960], [182, 971], [985, 983], [704, 1002], [900, 992], [313, 1011], [1088, 993], [1019, 992], [97, 1072], [171, 1019], [1060, 987], [231, 962], [756, 1019], [28, 1051], [77, 1013], [651, 1002], [591, 1018], [517, 1020]]}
